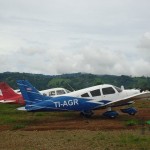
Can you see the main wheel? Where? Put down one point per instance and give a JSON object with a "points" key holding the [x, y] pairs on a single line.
{"points": [[86, 114], [110, 114]]}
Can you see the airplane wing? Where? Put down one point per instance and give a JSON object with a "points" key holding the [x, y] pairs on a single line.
{"points": [[140, 96], [7, 101]]}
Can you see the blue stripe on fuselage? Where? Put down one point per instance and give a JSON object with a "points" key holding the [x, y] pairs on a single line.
{"points": [[63, 103]]}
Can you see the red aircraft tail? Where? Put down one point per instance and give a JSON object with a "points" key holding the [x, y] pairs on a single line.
{"points": [[6, 91], [1, 97]]}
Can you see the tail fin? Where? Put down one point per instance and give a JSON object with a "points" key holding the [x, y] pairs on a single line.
{"points": [[30, 94], [1, 95], [6, 91]]}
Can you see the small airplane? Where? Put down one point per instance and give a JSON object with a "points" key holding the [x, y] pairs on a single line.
{"points": [[85, 100], [8, 95], [54, 91]]}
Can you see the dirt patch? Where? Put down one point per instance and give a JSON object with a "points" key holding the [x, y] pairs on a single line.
{"points": [[74, 121], [4, 127], [97, 122]]}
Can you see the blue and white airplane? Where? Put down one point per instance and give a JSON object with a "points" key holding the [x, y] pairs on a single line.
{"points": [[85, 100]]}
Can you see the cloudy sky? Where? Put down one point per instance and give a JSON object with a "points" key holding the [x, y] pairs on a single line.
{"points": [[68, 36]]}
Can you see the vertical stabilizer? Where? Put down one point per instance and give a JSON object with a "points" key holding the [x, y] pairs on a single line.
{"points": [[30, 94], [6, 91]]}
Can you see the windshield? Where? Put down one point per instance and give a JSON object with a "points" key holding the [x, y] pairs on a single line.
{"points": [[60, 92], [118, 89], [67, 91]]}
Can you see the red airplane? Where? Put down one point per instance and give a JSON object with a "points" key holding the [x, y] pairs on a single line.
{"points": [[8, 95]]}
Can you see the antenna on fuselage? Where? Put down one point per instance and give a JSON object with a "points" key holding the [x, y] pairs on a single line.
{"points": [[70, 86], [122, 87]]}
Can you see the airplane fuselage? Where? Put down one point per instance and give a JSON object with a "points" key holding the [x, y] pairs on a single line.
{"points": [[83, 100]]}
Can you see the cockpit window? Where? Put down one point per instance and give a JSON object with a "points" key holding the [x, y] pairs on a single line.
{"points": [[44, 94], [51, 93], [118, 89], [108, 90], [85, 95], [95, 93], [60, 92], [67, 91]]}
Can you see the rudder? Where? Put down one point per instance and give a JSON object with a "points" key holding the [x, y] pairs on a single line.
{"points": [[31, 94], [6, 91]]}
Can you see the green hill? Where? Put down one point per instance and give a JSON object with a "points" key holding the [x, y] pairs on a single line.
{"points": [[75, 80]]}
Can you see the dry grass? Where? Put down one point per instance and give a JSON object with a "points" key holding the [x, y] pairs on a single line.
{"points": [[74, 140], [101, 138]]}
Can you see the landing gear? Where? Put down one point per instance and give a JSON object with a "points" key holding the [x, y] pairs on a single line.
{"points": [[110, 113], [130, 111], [87, 114]]}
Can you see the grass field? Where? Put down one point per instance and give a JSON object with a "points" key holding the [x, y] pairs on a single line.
{"points": [[64, 131], [75, 140], [14, 119]]}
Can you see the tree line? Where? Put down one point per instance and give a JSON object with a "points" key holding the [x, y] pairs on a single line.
{"points": [[75, 80]]}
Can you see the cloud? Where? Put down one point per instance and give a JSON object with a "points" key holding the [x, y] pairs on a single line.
{"points": [[142, 62], [144, 45], [55, 37], [140, 67], [88, 58], [55, 61]]}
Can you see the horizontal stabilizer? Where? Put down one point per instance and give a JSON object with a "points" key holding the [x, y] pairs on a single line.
{"points": [[22, 109]]}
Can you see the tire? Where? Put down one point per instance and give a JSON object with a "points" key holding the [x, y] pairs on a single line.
{"points": [[132, 113], [112, 117]]}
